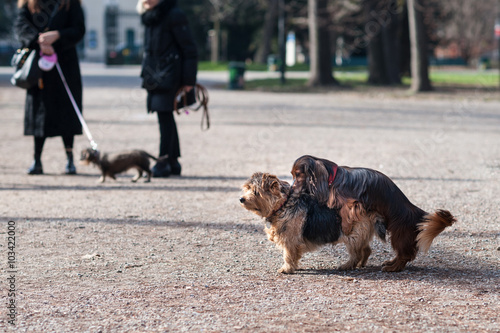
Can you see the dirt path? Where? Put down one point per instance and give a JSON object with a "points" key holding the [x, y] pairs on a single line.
{"points": [[180, 254]]}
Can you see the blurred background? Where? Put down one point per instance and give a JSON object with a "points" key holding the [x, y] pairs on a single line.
{"points": [[372, 36]]}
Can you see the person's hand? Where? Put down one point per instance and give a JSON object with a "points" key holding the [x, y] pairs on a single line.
{"points": [[188, 88], [48, 38], [47, 49]]}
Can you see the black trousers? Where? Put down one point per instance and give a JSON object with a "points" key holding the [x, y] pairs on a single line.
{"points": [[169, 139]]}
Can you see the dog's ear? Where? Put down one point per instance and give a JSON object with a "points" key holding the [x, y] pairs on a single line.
{"points": [[275, 187], [267, 179], [318, 181], [270, 183]]}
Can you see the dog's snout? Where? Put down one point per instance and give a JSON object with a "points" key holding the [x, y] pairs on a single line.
{"points": [[242, 200]]}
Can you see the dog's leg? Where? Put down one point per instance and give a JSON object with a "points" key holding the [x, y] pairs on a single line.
{"points": [[138, 176], [365, 254], [395, 265], [404, 243], [354, 256], [148, 179], [358, 243], [102, 178], [403, 256], [291, 256]]}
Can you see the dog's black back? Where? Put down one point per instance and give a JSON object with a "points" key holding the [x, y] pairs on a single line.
{"points": [[113, 164], [322, 225]]}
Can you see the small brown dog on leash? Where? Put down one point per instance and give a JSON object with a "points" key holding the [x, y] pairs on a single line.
{"points": [[299, 224], [410, 228], [112, 164]]}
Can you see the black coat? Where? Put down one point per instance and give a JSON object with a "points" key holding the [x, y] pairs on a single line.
{"points": [[170, 55], [48, 111]]}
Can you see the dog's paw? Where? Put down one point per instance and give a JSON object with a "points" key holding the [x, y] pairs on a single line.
{"points": [[396, 267], [286, 269], [348, 266], [388, 263]]}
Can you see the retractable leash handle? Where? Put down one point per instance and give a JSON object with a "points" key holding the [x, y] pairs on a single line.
{"points": [[93, 144]]}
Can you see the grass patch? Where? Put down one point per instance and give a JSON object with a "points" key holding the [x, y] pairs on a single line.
{"points": [[359, 79], [474, 79], [299, 85], [358, 76], [224, 66]]}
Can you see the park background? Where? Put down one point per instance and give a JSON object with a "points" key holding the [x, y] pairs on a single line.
{"points": [[180, 254]]}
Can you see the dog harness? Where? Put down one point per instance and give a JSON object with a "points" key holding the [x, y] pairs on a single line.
{"points": [[331, 176]]}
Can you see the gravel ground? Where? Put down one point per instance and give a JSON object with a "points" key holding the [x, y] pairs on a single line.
{"points": [[180, 254]]}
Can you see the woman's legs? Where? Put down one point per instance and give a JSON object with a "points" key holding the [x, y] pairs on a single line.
{"points": [[169, 146], [68, 141], [36, 167]]}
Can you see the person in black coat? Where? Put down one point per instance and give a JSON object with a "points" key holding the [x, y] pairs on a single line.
{"points": [[170, 63], [48, 109]]}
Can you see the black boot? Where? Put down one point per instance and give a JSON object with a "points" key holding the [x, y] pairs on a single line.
{"points": [[70, 166], [35, 168], [175, 166], [161, 170]]}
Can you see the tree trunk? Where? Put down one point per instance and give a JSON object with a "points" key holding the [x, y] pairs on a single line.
{"points": [[319, 45], [418, 40], [267, 33], [214, 55], [383, 47]]}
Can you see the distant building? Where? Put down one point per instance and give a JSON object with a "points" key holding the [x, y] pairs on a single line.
{"points": [[114, 31]]}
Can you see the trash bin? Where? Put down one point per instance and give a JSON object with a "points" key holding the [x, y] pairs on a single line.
{"points": [[236, 75], [272, 63], [484, 63]]}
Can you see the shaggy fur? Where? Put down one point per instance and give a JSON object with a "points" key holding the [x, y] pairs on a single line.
{"points": [[113, 164], [299, 224], [410, 227]]}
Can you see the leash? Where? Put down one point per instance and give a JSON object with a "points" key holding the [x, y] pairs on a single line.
{"points": [[93, 144], [201, 98]]}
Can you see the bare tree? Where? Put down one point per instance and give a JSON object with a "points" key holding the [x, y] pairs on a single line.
{"points": [[382, 26], [222, 9], [470, 25], [418, 40], [268, 32], [319, 44]]}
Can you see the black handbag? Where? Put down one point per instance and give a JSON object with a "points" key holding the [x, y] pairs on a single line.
{"points": [[27, 72]]}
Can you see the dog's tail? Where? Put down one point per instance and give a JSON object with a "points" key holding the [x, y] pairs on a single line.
{"points": [[159, 158], [431, 226]]}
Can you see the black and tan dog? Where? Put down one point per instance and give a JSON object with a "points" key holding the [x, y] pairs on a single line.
{"points": [[410, 228], [299, 224], [113, 164]]}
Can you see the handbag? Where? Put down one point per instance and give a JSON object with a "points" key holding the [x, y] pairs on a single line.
{"points": [[27, 72]]}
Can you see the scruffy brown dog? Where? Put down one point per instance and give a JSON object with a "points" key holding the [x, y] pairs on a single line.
{"points": [[113, 164], [299, 224], [410, 228]]}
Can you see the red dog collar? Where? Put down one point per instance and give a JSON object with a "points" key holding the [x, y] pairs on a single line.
{"points": [[331, 177]]}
